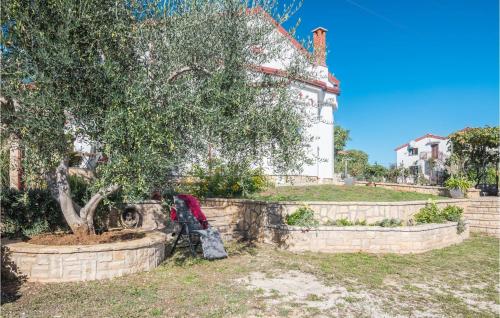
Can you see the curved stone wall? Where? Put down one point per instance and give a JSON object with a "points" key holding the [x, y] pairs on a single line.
{"points": [[44, 263], [240, 212], [370, 239]]}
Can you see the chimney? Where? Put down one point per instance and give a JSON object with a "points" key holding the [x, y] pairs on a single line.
{"points": [[319, 41]]}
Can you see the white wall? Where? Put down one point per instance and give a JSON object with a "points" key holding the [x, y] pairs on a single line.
{"points": [[321, 104], [423, 146]]}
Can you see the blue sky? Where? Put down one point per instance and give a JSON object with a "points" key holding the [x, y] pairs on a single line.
{"points": [[409, 67]]}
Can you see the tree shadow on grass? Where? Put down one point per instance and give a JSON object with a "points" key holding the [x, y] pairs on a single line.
{"points": [[182, 255], [12, 279]]}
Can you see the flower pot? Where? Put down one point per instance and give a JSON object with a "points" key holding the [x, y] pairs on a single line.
{"points": [[456, 193]]}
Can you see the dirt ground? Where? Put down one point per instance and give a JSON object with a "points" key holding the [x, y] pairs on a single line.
{"points": [[262, 281], [71, 239]]}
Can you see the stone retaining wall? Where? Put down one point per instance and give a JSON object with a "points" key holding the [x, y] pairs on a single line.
{"points": [[371, 239], [484, 215], [239, 213], [43, 263]]}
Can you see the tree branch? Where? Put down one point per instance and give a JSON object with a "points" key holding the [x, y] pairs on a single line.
{"points": [[173, 76], [88, 211]]}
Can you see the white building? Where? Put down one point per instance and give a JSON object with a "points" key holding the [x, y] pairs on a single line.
{"points": [[424, 156], [319, 93]]}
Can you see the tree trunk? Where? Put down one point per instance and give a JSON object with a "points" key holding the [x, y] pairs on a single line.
{"points": [[78, 225], [80, 220], [88, 211]]}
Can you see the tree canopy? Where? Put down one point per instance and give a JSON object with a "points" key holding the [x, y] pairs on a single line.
{"points": [[341, 137], [357, 162], [153, 86], [475, 151]]}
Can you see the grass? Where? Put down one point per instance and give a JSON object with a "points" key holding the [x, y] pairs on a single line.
{"points": [[328, 192], [458, 281]]}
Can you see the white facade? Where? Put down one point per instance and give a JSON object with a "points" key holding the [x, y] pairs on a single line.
{"points": [[319, 94], [425, 155]]}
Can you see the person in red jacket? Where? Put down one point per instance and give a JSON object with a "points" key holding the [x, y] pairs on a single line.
{"points": [[193, 205]]}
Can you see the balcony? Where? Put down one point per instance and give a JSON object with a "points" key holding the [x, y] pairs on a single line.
{"points": [[425, 155]]}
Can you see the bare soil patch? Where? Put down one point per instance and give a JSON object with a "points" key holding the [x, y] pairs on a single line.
{"points": [[72, 239]]}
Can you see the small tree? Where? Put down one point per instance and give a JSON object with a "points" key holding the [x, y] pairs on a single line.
{"points": [[475, 150], [357, 162], [153, 85], [375, 172], [341, 137]]}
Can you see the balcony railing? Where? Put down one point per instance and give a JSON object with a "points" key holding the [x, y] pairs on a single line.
{"points": [[424, 155]]}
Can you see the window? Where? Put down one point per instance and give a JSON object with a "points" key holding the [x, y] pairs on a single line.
{"points": [[413, 151], [414, 170]]}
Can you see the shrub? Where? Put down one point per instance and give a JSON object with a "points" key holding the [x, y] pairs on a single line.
{"points": [[389, 223], [453, 213], [432, 214], [429, 214], [303, 216], [30, 212], [363, 222], [458, 183], [34, 211], [225, 180], [344, 222]]}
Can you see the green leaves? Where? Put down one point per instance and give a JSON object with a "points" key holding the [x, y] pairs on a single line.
{"points": [[152, 87], [303, 216], [458, 183], [475, 150], [431, 213]]}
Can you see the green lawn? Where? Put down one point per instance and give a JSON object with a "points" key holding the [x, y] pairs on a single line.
{"points": [[339, 193], [458, 281]]}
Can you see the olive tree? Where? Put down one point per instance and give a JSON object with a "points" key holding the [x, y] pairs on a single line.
{"points": [[153, 85]]}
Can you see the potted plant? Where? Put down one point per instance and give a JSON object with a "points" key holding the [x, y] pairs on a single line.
{"points": [[458, 186]]}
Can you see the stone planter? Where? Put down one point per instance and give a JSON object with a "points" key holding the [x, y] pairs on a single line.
{"points": [[45, 263], [370, 239], [456, 193]]}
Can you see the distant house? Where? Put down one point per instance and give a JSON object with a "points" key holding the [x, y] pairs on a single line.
{"points": [[425, 157]]}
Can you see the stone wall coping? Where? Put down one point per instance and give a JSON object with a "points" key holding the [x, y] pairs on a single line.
{"points": [[392, 203], [485, 198], [151, 238], [366, 228]]}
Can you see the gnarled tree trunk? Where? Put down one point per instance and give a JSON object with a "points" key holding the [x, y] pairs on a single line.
{"points": [[80, 219]]}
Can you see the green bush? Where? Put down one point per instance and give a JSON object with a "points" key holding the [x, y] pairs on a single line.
{"points": [[225, 180], [389, 223], [429, 214], [303, 216], [432, 214], [458, 183], [30, 212], [453, 213], [34, 211], [344, 222]]}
